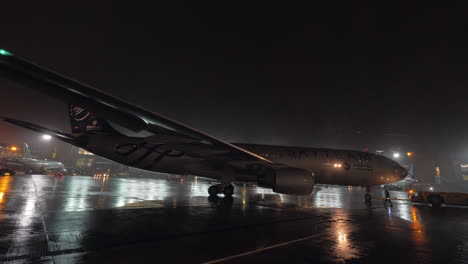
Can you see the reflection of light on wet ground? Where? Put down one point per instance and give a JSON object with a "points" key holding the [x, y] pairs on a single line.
{"points": [[328, 197], [83, 193], [407, 211], [417, 225], [5, 184], [265, 196], [343, 248], [131, 191], [342, 237], [389, 213], [78, 189], [244, 196], [414, 216], [26, 217], [27, 213], [403, 211], [355, 234], [419, 237], [263, 192], [197, 189], [102, 179]]}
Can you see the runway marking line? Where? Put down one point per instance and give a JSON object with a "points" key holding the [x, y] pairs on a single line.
{"points": [[260, 249]]}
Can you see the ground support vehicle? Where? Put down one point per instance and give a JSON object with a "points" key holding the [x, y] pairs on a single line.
{"points": [[436, 199]]}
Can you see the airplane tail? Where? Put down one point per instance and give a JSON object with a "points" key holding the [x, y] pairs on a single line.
{"points": [[84, 122], [27, 152], [411, 172]]}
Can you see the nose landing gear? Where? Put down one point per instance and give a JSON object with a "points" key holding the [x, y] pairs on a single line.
{"points": [[226, 189], [368, 196]]}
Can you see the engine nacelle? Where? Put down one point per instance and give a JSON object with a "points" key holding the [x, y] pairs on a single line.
{"points": [[289, 181]]}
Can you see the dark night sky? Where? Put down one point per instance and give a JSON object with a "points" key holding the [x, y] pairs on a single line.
{"points": [[295, 74]]}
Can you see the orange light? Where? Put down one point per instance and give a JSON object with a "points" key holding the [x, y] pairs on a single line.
{"points": [[409, 154], [411, 191], [14, 148]]}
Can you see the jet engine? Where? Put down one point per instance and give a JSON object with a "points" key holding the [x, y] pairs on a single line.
{"points": [[288, 181]]}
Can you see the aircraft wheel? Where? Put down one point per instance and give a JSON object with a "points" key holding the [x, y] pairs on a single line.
{"points": [[228, 191], [435, 201], [213, 190], [368, 197]]}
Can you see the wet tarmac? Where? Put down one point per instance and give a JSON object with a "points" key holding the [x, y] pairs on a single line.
{"points": [[82, 219]]}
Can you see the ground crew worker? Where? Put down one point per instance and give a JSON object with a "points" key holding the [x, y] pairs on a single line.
{"points": [[387, 197]]}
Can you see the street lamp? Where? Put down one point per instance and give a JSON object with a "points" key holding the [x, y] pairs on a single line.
{"points": [[396, 155], [46, 137]]}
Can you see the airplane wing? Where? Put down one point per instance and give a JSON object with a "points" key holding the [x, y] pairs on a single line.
{"points": [[121, 113]]}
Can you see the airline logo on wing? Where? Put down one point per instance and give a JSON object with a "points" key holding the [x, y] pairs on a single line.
{"points": [[83, 120], [79, 114]]}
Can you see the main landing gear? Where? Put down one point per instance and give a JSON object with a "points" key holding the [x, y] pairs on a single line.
{"points": [[226, 189]]}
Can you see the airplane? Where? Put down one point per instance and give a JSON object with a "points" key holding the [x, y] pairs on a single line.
{"points": [[133, 136], [30, 165]]}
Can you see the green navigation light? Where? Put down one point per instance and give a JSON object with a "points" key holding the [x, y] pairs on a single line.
{"points": [[5, 53]]}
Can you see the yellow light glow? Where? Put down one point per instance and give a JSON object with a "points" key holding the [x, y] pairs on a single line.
{"points": [[337, 165], [5, 183], [14, 148], [409, 154]]}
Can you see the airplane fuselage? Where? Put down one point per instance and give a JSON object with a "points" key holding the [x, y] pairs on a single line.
{"points": [[334, 166], [329, 166]]}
